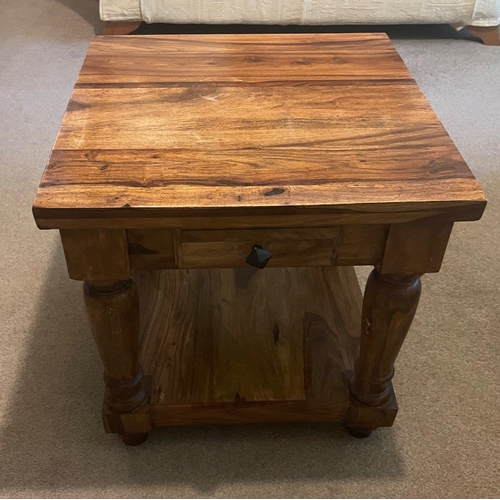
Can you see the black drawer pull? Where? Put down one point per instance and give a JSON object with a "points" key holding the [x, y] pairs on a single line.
{"points": [[258, 257]]}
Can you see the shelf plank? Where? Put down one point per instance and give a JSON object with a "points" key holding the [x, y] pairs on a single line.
{"points": [[243, 345], [258, 341]]}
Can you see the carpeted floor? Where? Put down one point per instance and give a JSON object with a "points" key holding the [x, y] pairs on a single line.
{"points": [[446, 441]]}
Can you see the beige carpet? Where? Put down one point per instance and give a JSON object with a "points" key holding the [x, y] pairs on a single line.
{"points": [[446, 441]]}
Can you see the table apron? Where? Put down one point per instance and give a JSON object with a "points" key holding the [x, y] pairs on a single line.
{"points": [[111, 254]]}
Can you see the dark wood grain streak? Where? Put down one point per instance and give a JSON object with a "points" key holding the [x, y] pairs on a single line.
{"points": [[245, 83]]}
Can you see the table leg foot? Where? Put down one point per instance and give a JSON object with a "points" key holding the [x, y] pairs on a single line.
{"points": [[359, 432], [134, 439]]}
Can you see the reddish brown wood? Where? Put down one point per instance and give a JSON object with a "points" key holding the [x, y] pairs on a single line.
{"points": [[120, 27], [490, 35]]}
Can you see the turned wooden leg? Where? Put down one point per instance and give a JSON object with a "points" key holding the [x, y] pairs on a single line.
{"points": [[489, 35], [113, 308], [389, 305]]}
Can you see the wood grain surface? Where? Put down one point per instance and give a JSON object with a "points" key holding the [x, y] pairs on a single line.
{"points": [[201, 126], [219, 343]]}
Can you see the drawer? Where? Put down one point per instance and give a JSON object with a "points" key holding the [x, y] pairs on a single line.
{"points": [[230, 248], [161, 248]]}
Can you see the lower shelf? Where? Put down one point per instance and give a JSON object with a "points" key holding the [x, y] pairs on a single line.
{"points": [[227, 346]]}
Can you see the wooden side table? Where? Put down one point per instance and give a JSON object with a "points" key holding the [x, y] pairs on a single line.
{"points": [[214, 192]]}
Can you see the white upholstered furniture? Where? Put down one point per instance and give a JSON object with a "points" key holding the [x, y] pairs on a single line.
{"points": [[483, 13]]}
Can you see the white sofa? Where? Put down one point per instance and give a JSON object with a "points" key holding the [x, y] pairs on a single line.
{"points": [[483, 13]]}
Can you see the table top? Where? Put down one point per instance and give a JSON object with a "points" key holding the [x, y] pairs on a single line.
{"points": [[222, 125]]}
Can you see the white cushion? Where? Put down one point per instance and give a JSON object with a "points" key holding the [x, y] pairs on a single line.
{"points": [[120, 10], [487, 13]]}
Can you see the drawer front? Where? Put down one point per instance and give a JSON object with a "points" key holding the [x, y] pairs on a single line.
{"points": [[296, 247], [230, 248]]}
